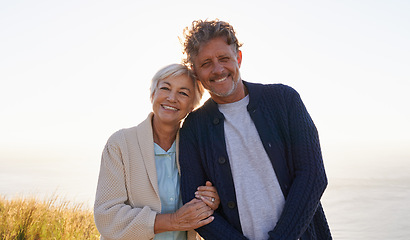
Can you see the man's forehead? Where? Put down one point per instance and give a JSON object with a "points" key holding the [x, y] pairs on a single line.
{"points": [[205, 51]]}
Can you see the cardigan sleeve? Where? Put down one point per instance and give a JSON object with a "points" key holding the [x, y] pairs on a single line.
{"points": [[194, 175], [114, 217], [309, 178]]}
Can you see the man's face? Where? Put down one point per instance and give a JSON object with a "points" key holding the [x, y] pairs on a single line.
{"points": [[217, 67]]}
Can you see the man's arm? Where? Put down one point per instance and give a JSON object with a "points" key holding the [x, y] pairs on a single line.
{"points": [[193, 174], [309, 180]]}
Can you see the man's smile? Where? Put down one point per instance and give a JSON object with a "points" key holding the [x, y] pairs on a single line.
{"points": [[219, 80]]}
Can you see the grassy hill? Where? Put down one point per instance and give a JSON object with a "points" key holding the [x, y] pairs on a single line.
{"points": [[30, 218]]}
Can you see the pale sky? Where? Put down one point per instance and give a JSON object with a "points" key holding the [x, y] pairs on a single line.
{"points": [[74, 72]]}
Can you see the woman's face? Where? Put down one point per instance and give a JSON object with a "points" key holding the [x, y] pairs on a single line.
{"points": [[173, 99]]}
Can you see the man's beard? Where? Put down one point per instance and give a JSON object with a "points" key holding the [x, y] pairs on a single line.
{"points": [[226, 94]]}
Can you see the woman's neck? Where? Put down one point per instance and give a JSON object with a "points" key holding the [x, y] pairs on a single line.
{"points": [[164, 135]]}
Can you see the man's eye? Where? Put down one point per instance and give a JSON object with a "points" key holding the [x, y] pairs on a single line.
{"points": [[205, 64]]}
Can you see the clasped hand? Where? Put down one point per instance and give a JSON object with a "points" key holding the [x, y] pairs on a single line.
{"points": [[197, 212], [193, 214]]}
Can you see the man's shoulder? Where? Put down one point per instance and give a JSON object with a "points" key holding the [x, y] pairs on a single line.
{"points": [[207, 108], [269, 86], [200, 117], [269, 92]]}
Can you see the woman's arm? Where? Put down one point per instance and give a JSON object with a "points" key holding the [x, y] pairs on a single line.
{"points": [[114, 217]]}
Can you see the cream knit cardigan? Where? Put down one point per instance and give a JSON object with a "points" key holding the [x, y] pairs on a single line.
{"points": [[127, 198]]}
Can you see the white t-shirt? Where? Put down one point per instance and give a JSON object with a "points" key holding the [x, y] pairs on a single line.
{"points": [[259, 197]]}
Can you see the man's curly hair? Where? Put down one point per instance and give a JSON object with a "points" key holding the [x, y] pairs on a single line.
{"points": [[203, 31]]}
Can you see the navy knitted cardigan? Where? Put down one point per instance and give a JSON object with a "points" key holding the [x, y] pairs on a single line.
{"points": [[291, 141]]}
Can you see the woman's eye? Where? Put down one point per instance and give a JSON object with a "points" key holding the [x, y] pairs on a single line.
{"points": [[184, 93], [164, 88]]}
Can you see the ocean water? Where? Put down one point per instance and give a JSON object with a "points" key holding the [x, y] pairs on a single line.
{"points": [[356, 208], [74, 180], [368, 208]]}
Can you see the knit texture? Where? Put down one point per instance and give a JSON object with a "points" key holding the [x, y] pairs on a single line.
{"points": [[127, 199], [291, 141]]}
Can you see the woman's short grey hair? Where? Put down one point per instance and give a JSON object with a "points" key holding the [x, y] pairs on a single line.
{"points": [[175, 70]]}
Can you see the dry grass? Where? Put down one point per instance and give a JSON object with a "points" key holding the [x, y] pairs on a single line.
{"points": [[50, 219]]}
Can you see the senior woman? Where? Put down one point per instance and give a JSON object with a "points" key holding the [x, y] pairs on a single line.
{"points": [[138, 187]]}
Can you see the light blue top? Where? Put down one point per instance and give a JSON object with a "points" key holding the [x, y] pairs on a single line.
{"points": [[168, 185]]}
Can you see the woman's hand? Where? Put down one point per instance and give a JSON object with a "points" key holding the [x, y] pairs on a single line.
{"points": [[209, 195], [193, 214]]}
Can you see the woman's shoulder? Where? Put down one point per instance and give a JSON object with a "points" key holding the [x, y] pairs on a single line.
{"points": [[131, 133], [119, 137]]}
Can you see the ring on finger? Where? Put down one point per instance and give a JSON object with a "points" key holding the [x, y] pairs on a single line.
{"points": [[212, 199]]}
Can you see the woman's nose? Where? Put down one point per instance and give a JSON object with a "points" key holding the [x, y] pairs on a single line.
{"points": [[171, 97]]}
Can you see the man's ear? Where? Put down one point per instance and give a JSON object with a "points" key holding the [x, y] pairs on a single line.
{"points": [[239, 57]]}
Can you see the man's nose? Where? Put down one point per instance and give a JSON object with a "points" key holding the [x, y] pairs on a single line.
{"points": [[218, 68]]}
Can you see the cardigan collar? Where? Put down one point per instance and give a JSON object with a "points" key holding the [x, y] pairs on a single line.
{"points": [[146, 144]]}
